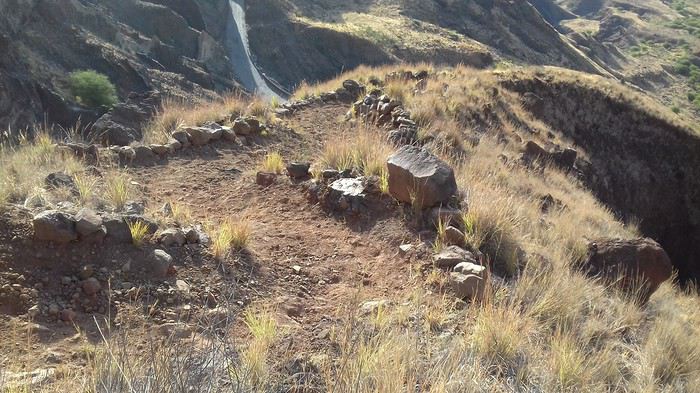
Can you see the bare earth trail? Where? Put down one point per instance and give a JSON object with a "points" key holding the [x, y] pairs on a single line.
{"points": [[336, 258]]}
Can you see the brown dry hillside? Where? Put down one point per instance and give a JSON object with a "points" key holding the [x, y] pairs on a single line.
{"points": [[238, 272]]}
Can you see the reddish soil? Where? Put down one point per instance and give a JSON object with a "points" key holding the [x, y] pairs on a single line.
{"points": [[338, 255]]}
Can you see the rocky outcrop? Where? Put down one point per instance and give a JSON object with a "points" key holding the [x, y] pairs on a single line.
{"points": [[139, 45], [418, 177], [638, 266]]}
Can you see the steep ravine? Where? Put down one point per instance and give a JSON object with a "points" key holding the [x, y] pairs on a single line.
{"points": [[642, 165], [239, 53]]}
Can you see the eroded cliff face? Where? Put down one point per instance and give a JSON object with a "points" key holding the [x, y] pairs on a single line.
{"points": [[163, 45]]}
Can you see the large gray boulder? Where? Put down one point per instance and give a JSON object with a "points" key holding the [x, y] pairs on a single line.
{"points": [[417, 176], [54, 226]]}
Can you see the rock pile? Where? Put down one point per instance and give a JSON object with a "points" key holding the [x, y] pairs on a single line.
{"points": [[87, 226]]}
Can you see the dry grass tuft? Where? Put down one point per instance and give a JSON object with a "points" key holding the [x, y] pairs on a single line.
{"points": [[366, 152], [230, 234], [118, 189], [139, 232], [273, 162], [26, 161]]}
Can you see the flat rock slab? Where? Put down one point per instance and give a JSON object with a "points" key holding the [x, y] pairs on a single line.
{"points": [[452, 256], [350, 187]]}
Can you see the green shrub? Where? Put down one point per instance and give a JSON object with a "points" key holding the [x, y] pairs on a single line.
{"points": [[92, 89]]}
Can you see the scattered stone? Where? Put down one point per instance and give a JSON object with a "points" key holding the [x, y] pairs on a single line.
{"points": [[67, 315], [283, 112], [372, 306], [451, 256], [54, 226], [639, 264], [405, 248], [191, 235], [417, 176], [182, 286], [117, 229], [297, 170], [183, 137], [161, 150], [454, 236], [246, 126], [330, 174], [467, 286], [161, 263], [346, 194], [470, 268], [173, 145], [167, 209], [172, 237], [86, 272], [265, 179], [229, 135], [134, 208], [353, 87], [89, 226], [87, 153], [91, 286], [60, 180]]}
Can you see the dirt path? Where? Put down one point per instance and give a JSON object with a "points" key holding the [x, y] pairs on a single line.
{"points": [[336, 257]]}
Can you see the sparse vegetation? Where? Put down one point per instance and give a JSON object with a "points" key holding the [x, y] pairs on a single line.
{"points": [[92, 89], [118, 189], [139, 232], [543, 327], [86, 186], [26, 160], [273, 162], [364, 152], [230, 234]]}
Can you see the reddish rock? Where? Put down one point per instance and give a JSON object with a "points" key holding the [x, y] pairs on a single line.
{"points": [[639, 264], [265, 179]]}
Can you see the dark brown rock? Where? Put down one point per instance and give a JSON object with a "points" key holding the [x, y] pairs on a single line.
{"points": [[265, 179], [416, 176], [639, 264]]}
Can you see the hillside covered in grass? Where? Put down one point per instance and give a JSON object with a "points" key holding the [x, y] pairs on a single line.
{"points": [[296, 265]]}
